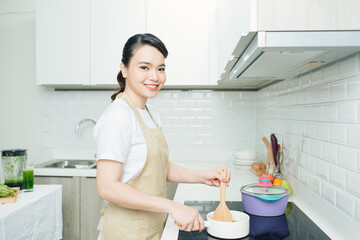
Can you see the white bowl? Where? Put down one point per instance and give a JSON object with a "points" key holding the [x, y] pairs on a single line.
{"points": [[246, 155], [229, 230]]}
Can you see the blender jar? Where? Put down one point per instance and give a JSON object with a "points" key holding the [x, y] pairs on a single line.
{"points": [[14, 161]]}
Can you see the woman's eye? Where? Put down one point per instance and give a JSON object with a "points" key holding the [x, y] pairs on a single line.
{"points": [[162, 69], [143, 67]]}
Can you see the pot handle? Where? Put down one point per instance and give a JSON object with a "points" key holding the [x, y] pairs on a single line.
{"points": [[269, 198], [207, 224]]}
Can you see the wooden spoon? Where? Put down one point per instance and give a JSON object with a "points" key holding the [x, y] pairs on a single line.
{"points": [[270, 155], [222, 212]]}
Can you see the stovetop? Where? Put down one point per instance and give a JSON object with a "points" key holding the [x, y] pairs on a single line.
{"points": [[294, 224]]}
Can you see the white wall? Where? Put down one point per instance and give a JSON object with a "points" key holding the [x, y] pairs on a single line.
{"points": [[20, 98], [318, 115]]}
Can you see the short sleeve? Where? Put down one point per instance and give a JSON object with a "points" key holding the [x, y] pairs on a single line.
{"points": [[114, 137]]}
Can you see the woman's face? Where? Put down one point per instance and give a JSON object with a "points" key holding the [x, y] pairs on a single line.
{"points": [[145, 74]]}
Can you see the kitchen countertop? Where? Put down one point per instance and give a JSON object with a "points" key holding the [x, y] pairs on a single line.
{"points": [[335, 225], [311, 204], [65, 172]]}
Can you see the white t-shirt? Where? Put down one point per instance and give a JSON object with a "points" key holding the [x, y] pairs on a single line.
{"points": [[120, 138]]}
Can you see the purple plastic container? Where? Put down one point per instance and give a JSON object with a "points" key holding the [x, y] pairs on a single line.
{"points": [[264, 201]]}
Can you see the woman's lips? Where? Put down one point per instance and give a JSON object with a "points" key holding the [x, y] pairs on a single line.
{"points": [[152, 87]]}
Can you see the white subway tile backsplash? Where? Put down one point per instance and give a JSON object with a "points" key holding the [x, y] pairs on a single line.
{"points": [[323, 94], [328, 192], [348, 66], [357, 209], [331, 71], [338, 91], [353, 135], [347, 157], [319, 116], [317, 76], [296, 83], [345, 202], [352, 183], [315, 183], [330, 112], [322, 169], [316, 113], [305, 80], [358, 160], [322, 130], [354, 87], [316, 148], [330, 152], [310, 163], [348, 112], [304, 176], [337, 176], [338, 133]]}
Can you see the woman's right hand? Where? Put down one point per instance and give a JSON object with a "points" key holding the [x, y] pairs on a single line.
{"points": [[187, 218]]}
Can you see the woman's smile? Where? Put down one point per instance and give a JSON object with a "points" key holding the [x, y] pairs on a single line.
{"points": [[152, 87]]}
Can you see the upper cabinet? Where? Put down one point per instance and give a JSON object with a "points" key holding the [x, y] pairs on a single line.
{"points": [[62, 42], [184, 27], [112, 22], [81, 43]]}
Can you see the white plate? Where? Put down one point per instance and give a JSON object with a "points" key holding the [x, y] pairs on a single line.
{"points": [[241, 166]]}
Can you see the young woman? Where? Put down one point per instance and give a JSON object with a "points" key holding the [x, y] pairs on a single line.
{"points": [[132, 153]]}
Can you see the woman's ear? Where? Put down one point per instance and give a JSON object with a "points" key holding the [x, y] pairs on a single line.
{"points": [[123, 70]]}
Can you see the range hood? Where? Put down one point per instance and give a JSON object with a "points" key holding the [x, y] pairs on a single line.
{"points": [[264, 58]]}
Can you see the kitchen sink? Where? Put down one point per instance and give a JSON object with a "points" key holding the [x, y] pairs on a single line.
{"points": [[68, 163]]}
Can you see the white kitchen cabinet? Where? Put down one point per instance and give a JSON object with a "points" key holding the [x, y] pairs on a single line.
{"points": [[307, 15], [62, 42], [112, 23], [90, 206], [233, 19], [70, 203], [184, 27]]}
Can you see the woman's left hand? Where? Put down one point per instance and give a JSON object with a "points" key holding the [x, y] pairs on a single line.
{"points": [[213, 177]]}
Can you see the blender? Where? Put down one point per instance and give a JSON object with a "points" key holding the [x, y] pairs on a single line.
{"points": [[14, 161]]}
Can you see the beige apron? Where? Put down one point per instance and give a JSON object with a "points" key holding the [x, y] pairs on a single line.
{"points": [[118, 223]]}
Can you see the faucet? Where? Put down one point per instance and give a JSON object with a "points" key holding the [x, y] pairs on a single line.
{"points": [[81, 122]]}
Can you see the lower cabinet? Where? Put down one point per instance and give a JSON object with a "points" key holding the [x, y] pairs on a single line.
{"points": [[81, 205], [90, 206]]}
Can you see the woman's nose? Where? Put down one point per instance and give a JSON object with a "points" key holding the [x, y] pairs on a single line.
{"points": [[153, 75]]}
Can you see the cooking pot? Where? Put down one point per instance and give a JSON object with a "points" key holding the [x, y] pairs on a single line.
{"points": [[268, 226], [264, 199], [239, 228]]}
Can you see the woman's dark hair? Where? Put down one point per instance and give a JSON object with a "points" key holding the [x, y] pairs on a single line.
{"points": [[131, 45]]}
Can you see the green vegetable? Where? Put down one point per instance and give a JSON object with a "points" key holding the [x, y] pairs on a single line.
{"points": [[6, 191]]}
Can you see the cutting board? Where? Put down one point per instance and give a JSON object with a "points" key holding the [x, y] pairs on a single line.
{"points": [[9, 200]]}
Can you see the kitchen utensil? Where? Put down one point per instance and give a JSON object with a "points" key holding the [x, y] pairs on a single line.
{"points": [[14, 161], [264, 201], [238, 228], [270, 156], [274, 147], [222, 212], [9, 200]]}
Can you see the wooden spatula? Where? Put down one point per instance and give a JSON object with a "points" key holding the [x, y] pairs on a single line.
{"points": [[222, 212]]}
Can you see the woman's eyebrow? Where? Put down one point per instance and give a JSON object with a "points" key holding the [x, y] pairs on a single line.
{"points": [[147, 63]]}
